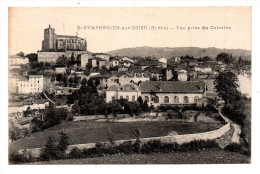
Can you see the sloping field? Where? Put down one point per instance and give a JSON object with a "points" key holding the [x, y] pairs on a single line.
{"points": [[91, 132]]}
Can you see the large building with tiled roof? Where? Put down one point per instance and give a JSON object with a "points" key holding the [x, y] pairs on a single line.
{"points": [[172, 92]]}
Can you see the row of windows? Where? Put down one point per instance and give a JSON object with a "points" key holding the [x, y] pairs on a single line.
{"points": [[29, 85], [175, 99], [127, 98]]}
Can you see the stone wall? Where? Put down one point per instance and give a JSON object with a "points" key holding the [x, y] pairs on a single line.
{"points": [[180, 139]]}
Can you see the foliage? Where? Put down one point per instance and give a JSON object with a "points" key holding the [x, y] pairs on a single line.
{"points": [[204, 59], [238, 148], [226, 85], [110, 136], [62, 61], [52, 116], [236, 111], [225, 58], [20, 54], [59, 77], [50, 151], [76, 153], [14, 132], [16, 158], [32, 57], [64, 141]]}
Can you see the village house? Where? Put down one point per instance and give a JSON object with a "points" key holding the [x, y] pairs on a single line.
{"points": [[60, 70], [155, 73], [203, 68], [84, 59], [102, 56], [182, 75], [137, 78], [59, 91], [149, 63], [125, 78], [177, 59], [32, 84], [114, 61], [125, 58], [17, 60], [17, 108], [158, 93], [129, 92]]}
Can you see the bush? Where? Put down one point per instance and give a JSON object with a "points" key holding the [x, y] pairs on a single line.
{"points": [[127, 147], [100, 148], [76, 153], [151, 146], [238, 148], [110, 137], [50, 151], [197, 145], [16, 158], [64, 141]]}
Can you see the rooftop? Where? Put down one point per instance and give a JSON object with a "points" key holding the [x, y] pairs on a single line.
{"points": [[125, 88], [172, 86]]}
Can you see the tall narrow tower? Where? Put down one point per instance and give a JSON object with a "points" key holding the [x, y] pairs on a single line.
{"points": [[49, 42]]}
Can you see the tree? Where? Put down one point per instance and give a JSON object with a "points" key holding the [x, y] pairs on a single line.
{"points": [[64, 141], [225, 58], [71, 80], [62, 61], [84, 82], [32, 57], [226, 85], [97, 82], [20, 54], [50, 151], [59, 77], [137, 133]]}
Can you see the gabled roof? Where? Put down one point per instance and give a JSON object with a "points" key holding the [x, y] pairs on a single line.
{"points": [[125, 88], [172, 86], [106, 76], [149, 63]]}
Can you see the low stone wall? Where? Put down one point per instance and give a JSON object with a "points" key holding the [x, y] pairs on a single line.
{"points": [[180, 139]]}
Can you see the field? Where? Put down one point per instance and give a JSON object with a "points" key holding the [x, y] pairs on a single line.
{"points": [[91, 132], [201, 157]]}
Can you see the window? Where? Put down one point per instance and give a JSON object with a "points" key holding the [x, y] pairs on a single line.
{"points": [[146, 98], [133, 98], [185, 99], [196, 98], [166, 99], [156, 99], [127, 97], [176, 99]]}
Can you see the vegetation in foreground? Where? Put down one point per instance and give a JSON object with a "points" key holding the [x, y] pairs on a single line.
{"points": [[190, 157], [91, 131]]}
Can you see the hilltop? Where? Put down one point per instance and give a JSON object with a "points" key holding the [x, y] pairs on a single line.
{"points": [[169, 52]]}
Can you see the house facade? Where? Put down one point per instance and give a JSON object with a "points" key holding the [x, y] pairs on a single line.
{"points": [[32, 84], [129, 92]]}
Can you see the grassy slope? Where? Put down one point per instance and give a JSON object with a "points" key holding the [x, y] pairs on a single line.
{"points": [[91, 132], [202, 157]]}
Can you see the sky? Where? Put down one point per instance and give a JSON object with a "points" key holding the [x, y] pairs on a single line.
{"points": [[26, 26]]}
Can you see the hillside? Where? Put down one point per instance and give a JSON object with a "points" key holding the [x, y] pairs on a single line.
{"points": [[168, 52]]}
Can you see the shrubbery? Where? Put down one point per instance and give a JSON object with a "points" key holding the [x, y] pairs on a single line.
{"points": [[238, 148], [52, 117], [51, 152]]}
